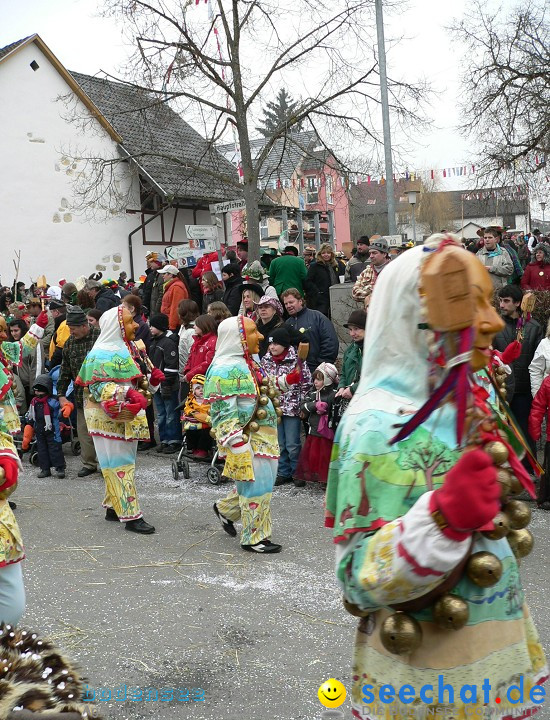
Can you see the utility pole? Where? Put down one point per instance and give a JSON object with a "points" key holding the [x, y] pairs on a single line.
{"points": [[385, 117]]}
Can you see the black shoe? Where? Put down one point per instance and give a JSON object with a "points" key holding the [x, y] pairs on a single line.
{"points": [[44, 473], [299, 483], [171, 448], [282, 480], [12, 504], [85, 472], [161, 447], [545, 505], [140, 526], [60, 473], [143, 445], [110, 514], [264, 546], [227, 525]]}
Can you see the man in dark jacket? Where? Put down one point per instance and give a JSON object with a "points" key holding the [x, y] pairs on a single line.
{"points": [[103, 297], [232, 296], [359, 261], [155, 261], [510, 297], [315, 328], [163, 353]]}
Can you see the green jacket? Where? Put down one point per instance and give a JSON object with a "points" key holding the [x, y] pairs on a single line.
{"points": [[351, 367], [287, 271]]}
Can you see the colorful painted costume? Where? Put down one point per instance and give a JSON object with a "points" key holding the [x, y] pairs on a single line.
{"points": [[108, 374], [390, 548], [232, 388]]}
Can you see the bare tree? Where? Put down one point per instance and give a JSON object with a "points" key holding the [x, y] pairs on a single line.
{"points": [[219, 72], [506, 84], [435, 210]]}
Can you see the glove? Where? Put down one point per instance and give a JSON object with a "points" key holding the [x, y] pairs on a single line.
{"points": [[511, 352], [293, 378], [28, 434], [67, 409], [321, 407], [136, 398], [156, 377], [43, 319], [10, 467], [469, 498], [132, 407]]}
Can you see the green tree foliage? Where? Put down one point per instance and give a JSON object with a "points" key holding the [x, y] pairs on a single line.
{"points": [[278, 113]]}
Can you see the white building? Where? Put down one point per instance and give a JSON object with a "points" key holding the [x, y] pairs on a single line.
{"points": [[54, 127]]}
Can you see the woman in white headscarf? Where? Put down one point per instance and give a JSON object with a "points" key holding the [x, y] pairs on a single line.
{"points": [[115, 413], [408, 498]]}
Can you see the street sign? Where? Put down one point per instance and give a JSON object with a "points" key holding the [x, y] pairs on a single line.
{"points": [[201, 232], [393, 240], [227, 206]]}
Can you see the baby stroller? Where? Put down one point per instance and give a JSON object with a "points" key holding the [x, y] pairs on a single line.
{"points": [[181, 464]]}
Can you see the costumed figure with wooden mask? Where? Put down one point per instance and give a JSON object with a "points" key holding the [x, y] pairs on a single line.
{"points": [[420, 496]]}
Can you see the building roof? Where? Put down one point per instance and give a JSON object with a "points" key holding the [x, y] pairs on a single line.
{"points": [[284, 158], [10, 48], [370, 199], [177, 160]]}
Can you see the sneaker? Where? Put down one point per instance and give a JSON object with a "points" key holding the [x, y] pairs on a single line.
{"points": [[110, 514], [60, 473], [140, 526], [227, 525], [264, 546], [282, 480], [44, 473], [143, 445], [171, 448], [12, 505]]}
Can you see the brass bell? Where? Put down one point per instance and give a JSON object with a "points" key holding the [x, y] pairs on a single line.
{"points": [[518, 513], [261, 414], [498, 452], [355, 610], [516, 486], [521, 542], [144, 384], [212, 433], [451, 612], [254, 427], [263, 400], [264, 381], [484, 569], [500, 372], [263, 390], [245, 437], [503, 392], [276, 402], [501, 529], [505, 481], [400, 634], [279, 412], [272, 393]]}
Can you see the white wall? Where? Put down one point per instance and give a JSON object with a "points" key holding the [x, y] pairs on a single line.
{"points": [[41, 217]]}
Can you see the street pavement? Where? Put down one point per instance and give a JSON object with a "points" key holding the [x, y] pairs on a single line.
{"points": [[186, 608]]}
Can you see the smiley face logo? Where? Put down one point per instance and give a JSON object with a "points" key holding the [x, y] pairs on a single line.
{"points": [[331, 693]]}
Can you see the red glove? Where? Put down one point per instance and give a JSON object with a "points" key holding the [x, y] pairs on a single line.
{"points": [[469, 498], [156, 377], [134, 408], [511, 352], [321, 407], [28, 434], [112, 408], [293, 378], [11, 471], [136, 398], [43, 319], [67, 409]]}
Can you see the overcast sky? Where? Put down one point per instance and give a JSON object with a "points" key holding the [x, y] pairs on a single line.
{"points": [[87, 43]]}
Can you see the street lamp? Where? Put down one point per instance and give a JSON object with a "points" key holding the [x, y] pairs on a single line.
{"points": [[412, 201]]}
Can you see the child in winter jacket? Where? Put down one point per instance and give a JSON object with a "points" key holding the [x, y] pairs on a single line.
{"points": [[43, 419], [203, 347], [196, 420], [539, 410], [315, 456], [279, 361], [163, 353]]}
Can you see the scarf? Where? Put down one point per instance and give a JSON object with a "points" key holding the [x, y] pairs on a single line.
{"points": [[46, 410], [110, 359], [494, 253]]}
